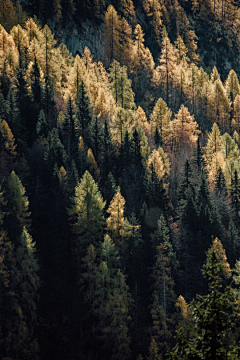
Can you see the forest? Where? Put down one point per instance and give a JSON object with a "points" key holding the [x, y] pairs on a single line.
{"points": [[120, 180]]}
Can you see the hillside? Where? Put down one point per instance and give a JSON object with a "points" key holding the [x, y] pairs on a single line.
{"points": [[119, 179]]}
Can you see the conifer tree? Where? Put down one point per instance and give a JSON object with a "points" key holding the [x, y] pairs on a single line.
{"points": [[185, 126], [214, 145], [186, 183], [42, 127], [153, 351], [160, 118], [7, 149], [83, 112], [114, 302], [93, 166], [77, 74], [198, 156], [69, 129], [107, 160], [139, 154], [167, 61], [235, 190], [157, 138], [19, 278], [12, 114], [220, 183], [159, 162], [112, 26], [86, 217], [233, 250], [232, 87], [142, 64], [55, 152], [88, 276], [135, 249], [117, 225], [48, 101], [110, 188], [35, 82], [208, 213], [155, 197], [125, 153], [17, 206], [162, 283], [236, 107], [215, 315], [121, 86], [96, 137], [220, 106]]}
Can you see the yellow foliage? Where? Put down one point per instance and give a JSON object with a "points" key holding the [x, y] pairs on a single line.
{"points": [[160, 162], [217, 245], [93, 166]]}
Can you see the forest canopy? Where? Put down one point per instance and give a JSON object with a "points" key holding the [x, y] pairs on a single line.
{"points": [[119, 180]]}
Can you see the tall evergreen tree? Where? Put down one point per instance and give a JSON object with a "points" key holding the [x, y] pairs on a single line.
{"points": [[117, 225], [121, 86], [19, 280], [83, 112], [86, 217], [215, 315]]}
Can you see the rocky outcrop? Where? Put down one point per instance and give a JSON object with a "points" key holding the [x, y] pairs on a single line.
{"points": [[92, 37]]}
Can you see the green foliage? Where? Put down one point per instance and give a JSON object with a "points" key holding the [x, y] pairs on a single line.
{"points": [[121, 86], [62, 115], [18, 274], [84, 114], [215, 315], [86, 217]]}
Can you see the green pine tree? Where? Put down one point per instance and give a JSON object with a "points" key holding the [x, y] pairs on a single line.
{"points": [[215, 316]]}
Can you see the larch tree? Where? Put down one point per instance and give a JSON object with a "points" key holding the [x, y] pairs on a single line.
{"points": [[121, 122], [120, 86], [220, 106], [77, 74], [112, 26], [93, 166], [232, 87], [7, 149], [142, 64], [160, 163], [160, 118], [126, 42], [213, 148], [167, 68], [117, 225], [154, 351], [86, 217], [185, 126]]}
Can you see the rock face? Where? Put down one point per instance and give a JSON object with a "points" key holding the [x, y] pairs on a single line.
{"points": [[92, 37]]}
